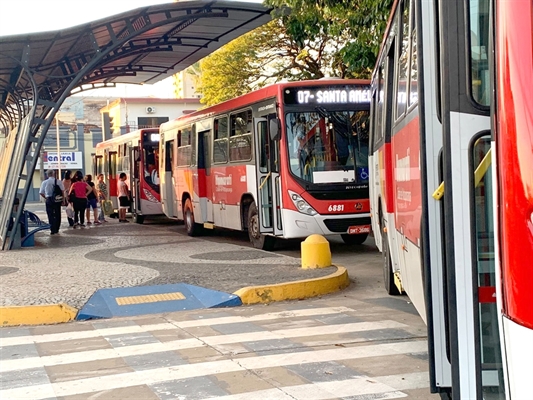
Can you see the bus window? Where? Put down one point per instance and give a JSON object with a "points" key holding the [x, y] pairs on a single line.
{"points": [[413, 84], [263, 147], [220, 141], [151, 164], [125, 163], [329, 146], [380, 98], [184, 147], [169, 155], [403, 64], [479, 42], [113, 164], [240, 141], [489, 341]]}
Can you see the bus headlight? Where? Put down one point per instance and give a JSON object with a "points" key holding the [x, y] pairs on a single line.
{"points": [[301, 205]]}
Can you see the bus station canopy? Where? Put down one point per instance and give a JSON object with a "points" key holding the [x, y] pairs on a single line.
{"points": [[38, 71], [140, 46]]}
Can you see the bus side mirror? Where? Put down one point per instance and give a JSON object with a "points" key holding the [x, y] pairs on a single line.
{"points": [[275, 129]]}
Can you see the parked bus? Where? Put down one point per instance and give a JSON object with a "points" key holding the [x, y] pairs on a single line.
{"points": [[136, 154], [285, 161], [451, 186]]}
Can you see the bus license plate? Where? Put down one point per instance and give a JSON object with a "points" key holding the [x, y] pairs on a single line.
{"points": [[354, 230]]}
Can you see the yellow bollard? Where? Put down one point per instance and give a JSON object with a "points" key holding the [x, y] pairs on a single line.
{"points": [[316, 252]]}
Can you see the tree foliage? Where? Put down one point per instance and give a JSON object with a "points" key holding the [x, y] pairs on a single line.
{"points": [[229, 72], [316, 38], [359, 23]]}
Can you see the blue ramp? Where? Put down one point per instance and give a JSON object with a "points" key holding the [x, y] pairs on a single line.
{"points": [[140, 300]]}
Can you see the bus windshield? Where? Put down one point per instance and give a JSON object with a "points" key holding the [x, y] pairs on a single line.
{"points": [[328, 146]]}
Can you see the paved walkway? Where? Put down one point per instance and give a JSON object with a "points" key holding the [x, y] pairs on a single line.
{"points": [[69, 267], [339, 347]]}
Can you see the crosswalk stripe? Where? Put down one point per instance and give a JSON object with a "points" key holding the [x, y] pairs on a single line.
{"points": [[173, 324], [322, 391], [359, 386], [261, 317], [214, 341], [157, 375]]}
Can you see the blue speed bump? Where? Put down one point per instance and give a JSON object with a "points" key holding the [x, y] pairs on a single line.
{"points": [[140, 300]]}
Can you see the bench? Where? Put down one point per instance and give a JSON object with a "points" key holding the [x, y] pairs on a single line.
{"points": [[31, 224]]}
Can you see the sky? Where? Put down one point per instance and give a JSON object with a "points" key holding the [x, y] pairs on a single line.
{"points": [[26, 16]]}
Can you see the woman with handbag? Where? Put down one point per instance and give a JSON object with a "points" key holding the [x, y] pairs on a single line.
{"points": [[78, 196], [101, 189]]}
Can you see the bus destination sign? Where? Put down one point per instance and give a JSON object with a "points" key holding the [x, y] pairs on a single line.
{"points": [[332, 95]]}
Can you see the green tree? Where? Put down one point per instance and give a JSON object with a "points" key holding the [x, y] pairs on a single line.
{"points": [[229, 72], [359, 23], [317, 38]]}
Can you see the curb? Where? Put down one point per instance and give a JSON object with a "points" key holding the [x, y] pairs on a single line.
{"points": [[37, 315], [60, 313], [295, 290]]}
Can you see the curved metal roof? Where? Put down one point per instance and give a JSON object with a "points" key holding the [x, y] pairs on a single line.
{"points": [[144, 45]]}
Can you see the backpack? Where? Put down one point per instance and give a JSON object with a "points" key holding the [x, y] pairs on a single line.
{"points": [[58, 194]]}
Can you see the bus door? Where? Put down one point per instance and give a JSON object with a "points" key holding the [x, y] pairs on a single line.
{"points": [[475, 351], [136, 169], [204, 173], [166, 162], [268, 178]]}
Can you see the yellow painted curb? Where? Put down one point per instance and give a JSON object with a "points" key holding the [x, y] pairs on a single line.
{"points": [[37, 315], [295, 290]]}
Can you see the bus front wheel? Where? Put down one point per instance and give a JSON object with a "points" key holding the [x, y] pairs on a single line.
{"points": [[193, 229], [388, 275], [258, 240], [354, 239]]}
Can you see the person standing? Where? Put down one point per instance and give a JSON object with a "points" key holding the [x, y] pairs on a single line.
{"points": [[92, 201], [123, 197], [67, 181], [53, 208], [101, 190], [80, 189]]}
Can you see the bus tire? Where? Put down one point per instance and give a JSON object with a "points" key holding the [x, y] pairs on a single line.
{"points": [[259, 241], [354, 239], [193, 229], [138, 219], [388, 275]]}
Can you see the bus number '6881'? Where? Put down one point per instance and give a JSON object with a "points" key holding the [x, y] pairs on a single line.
{"points": [[336, 207]]}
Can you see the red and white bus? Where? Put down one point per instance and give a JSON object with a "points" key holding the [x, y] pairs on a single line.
{"points": [[451, 186], [286, 161], [136, 154]]}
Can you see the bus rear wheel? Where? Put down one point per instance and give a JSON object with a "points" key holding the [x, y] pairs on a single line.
{"points": [[258, 240], [354, 239], [139, 219], [388, 275], [193, 229]]}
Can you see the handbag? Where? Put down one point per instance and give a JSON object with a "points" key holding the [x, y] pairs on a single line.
{"points": [[107, 207], [70, 211]]}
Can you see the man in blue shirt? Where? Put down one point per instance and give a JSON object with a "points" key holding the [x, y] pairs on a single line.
{"points": [[53, 209]]}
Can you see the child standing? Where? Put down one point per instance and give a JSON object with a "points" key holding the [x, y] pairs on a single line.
{"points": [[92, 202]]}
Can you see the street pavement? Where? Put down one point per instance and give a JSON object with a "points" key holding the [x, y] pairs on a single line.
{"points": [[331, 348], [69, 267], [357, 344]]}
